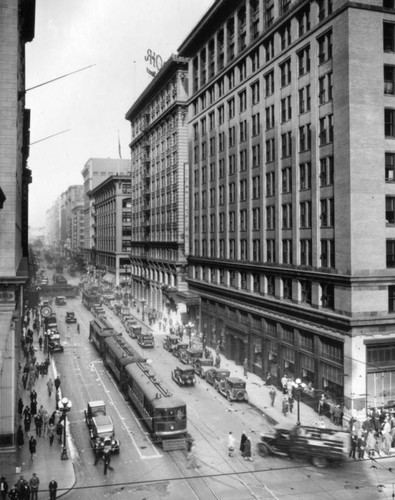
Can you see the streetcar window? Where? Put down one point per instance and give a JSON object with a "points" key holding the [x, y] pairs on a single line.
{"points": [[170, 414]]}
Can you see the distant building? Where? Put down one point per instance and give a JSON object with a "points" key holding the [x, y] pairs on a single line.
{"points": [[160, 184], [291, 129], [16, 29], [71, 198], [77, 222], [111, 206], [95, 171]]}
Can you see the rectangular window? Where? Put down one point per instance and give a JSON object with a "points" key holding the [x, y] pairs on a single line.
{"points": [[232, 220], [285, 72], [242, 101], [243, 160], [305, 138], [269, 84], [270, 217], [325, 47], [305, 289], [390, 253], [231, 108], [256, 124], [232, 136], [256, 189], [287, 288], [255, 93], [305, 175], [285, 36], [327, 255], [270, 186], [256, 250], [327, 212], [305, 214], [389, 37], [243, 220], [232, 192], [232, 164], [269, 117], [243, 131], [304, 21], [389, 167], [389, 122], [390, 210], [286, 109], [287, 251], [286, 144], [306, 257], [243, 190], [221, 114], [256, 219], [211, 118], [304, 61], [270, 151], [326, 171], [391, 298], [389, 76], [270, 251], [287, 216], [256, 156]]}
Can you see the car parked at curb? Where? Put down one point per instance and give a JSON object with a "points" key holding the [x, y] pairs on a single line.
{"points": [[184, 375], [201, 365], [233, 388], [215, 375]]}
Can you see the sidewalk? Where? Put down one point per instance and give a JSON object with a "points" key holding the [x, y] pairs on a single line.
{"points": [[47, 463]]}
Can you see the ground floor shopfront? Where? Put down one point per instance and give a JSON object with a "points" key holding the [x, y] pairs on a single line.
{"points": [[353, 369]]}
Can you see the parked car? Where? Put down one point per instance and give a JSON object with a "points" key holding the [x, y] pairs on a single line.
{"points": [[70, 317], [201, 365], [214, 375], [233, 388], [188, 356], [60, 300], [179, 348], [54, 343], [146, 339], [184, 375], [170, 341]]}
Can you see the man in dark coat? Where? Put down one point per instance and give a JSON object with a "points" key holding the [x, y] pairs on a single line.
{"points": [[53, 488], [3, 488], [243, 442]]}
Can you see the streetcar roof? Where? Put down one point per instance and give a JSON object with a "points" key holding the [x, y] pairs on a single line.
{"points": [[122, 351], [149, 381]]}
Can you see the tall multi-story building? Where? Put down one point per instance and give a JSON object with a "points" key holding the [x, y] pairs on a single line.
{"points": [[68, 200], [292, 197], [111, 209], [95, 171], [160, 182], [77, 229], [16, 29], [52, 224]]}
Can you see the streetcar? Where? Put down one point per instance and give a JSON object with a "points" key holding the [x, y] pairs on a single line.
{"points": [[99, 329], [164, 414]]}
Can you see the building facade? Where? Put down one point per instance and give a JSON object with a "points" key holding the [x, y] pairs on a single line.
{"points": [[160, 183], [77, 229], [111, 208], [16, 29], [292, 235], [95, 171]]}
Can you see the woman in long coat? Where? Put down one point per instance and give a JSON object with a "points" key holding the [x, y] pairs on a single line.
{"points": [[243, 442], [247, 450]]}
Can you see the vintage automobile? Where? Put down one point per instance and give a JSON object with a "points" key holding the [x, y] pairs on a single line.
{"points": [[145, 339], [179, 348], [101, 427], [54, 343], [201, 365], [189, 355], [233, 388], [70, 317], [184, 375], [214, 375], [60, 300], [320, 446], [170, 341]]}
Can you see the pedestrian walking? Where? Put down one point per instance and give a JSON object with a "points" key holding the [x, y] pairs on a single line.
{"points": [[33, 407], [53, 488], [33, 395], [245, 367], [361, 445], [27, 421], [285, 405], [191, 457], [247, 450], [354, 443], [34, 483], [40, 342], [32, 447], [291, 402], [51, 433], [50, 387], [20, 407], [243, 440], [45, 418], [25, 376], [3, 488], [231, 444], [107, 460], [38, 422], [78, 328], [20, 438], [57, 383], [272, 394]]}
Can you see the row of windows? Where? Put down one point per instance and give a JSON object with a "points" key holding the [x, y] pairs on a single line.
{"points": [[238, 135], [326, 175], [241, 250], [268, 285], [213, 57], [324, 54]]}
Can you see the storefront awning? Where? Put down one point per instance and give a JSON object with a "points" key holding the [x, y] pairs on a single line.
{"points": [[109, 278]]}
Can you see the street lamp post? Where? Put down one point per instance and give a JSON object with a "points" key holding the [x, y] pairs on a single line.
{"points": [[190, 325], [64, 406], [143, 301], [298, 388]]}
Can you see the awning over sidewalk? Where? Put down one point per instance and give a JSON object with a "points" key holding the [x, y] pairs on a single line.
{"points": [[109, 278]]}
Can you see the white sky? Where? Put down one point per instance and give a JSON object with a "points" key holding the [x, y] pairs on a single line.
{"points": [[111, 34]]}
